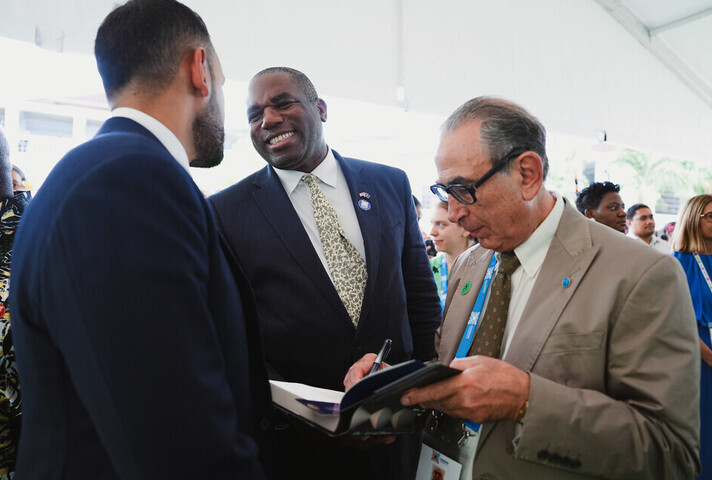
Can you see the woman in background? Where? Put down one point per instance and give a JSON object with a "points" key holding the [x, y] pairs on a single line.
{"points": [[450, 241], [692, 246]]}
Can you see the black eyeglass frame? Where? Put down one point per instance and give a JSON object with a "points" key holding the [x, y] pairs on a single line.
{"points": [[707, 216], [438, 189]]}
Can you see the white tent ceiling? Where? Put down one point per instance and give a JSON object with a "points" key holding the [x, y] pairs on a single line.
{"points": [[641, 70]]}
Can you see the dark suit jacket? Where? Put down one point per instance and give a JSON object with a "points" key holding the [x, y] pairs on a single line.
{"points": [[308, 335], [136, 353]]}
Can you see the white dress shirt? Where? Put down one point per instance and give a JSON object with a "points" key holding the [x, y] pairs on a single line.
{"points": [[160, 131], [332, 182], [531, 255]]}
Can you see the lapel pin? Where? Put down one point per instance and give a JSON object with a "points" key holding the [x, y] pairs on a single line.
{"points": [[466, 288], [364, 195], [364, 205], [566, 282]]}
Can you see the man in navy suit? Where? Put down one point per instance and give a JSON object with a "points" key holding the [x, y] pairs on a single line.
{"points": [[312, 332], [136, 337]]}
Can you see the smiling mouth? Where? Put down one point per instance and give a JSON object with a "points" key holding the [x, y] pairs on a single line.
{"points": [[280, 138]]}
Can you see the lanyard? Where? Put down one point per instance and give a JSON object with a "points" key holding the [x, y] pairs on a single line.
{"points": [[470, 330], [704, 270], [474, 319], [443, 284]]}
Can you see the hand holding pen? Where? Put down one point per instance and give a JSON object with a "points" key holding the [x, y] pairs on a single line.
{"points": [[368, 364]]}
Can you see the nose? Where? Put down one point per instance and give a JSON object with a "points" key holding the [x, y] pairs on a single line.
{"points": [[270, 118], [433, 231], [455, 210]]}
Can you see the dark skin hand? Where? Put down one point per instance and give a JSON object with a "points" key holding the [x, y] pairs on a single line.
{"points": [[357, 371], [706, 353]]}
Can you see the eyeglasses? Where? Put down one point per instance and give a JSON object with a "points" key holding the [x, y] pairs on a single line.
{"points": [[707, 216], [465, 194]]}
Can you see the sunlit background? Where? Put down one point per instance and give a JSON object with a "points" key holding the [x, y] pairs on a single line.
{"points": [[51, 98]]}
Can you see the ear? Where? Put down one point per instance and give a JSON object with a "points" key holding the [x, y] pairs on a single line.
{"points": [[589, 213], [199, 72], [628, 222], [321, 106], [531, 170]]}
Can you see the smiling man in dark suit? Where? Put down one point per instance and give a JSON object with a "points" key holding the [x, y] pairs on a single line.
{"points": [[333, 251], [137, 343]]}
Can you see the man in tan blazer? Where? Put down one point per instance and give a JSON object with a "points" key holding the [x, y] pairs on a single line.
{"points": [[598, 376]]}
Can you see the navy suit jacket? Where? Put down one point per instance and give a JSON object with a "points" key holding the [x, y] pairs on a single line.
{"points": [[139, 355], [308, 335]]}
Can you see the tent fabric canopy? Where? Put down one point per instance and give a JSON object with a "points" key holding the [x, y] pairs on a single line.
{"points": [[640, 70]]}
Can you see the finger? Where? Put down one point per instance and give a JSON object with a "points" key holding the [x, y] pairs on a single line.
{"points": [[432, 393]]}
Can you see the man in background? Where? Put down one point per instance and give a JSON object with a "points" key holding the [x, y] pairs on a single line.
{"points": [[641, 226], [137, 345], [584, 362], [333, 251], [601, 201]]}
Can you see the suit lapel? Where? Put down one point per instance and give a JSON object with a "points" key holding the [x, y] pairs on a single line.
{"points": [[272, 200], [569, 257], [459, 306], [369, 223]]}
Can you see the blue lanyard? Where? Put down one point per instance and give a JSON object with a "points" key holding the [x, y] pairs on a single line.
{"points": [[443, 284], [474, 319], [471, 327]]}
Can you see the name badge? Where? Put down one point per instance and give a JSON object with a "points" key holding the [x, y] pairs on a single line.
{"points": [[434, 465]]}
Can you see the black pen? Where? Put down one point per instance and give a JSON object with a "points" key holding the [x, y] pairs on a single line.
{"points": [[381, 355]]}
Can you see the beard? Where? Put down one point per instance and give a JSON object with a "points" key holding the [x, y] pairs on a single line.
{"points": [[208, 136]]}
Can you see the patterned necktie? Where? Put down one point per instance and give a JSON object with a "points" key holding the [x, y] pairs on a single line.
{"points": [[347, 268], [488, 340]]}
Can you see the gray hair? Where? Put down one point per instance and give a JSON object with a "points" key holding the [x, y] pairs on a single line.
{"points": [[505, 127]]}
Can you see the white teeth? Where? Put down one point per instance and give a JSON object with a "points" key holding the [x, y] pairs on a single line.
{"points": [[279, 138]]}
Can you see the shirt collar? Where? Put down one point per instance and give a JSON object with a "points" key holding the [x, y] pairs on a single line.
{"points": [[531, 254], [327, 172], [160, 131]]}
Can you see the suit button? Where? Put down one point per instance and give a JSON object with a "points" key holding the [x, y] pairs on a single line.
{"points": [[265, 424], [357, 346], [542, 455]]}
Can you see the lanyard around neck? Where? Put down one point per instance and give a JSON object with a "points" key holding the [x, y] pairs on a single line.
{"points": [[703, 269], [474, 318]]}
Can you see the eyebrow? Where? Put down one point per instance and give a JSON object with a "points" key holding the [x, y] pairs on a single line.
{"points": [[273, 100], [460, 180]]}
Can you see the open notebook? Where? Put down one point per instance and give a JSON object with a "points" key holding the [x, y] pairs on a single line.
{"points": [[371, 407]]}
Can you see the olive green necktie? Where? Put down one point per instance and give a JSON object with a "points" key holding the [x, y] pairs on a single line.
{"points": [[488, 340], [347, 268]]}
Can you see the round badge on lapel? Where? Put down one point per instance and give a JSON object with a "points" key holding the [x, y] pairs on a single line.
{"points": [[466, 288], [364, 205], [566, 282]]}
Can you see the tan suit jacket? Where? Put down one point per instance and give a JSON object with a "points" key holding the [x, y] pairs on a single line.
{"points": [[613, 358]]}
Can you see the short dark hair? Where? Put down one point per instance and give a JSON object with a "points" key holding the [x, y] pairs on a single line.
{"points": [[297, 77], [145, 40], [17, 169], [591, 196], [416, 202], [4, 149], [634, 208], [505, 127]]}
